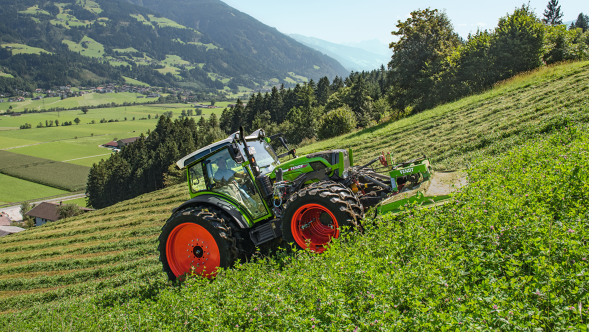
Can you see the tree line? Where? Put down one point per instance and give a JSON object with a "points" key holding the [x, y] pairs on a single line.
{"points": [[145, 165], [430, 65]]}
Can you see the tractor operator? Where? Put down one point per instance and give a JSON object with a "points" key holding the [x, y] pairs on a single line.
{"points": [[224, 174]]}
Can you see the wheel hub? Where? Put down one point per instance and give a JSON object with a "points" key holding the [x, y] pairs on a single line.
{"points": [[198, 251], [314, 226]]}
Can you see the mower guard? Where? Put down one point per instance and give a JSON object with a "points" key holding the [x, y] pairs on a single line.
{"points": [[426, 186]]}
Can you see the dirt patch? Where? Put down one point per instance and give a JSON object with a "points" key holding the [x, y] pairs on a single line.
{"points": [[445, 183]]}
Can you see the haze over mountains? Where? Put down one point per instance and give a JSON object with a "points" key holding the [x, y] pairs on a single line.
{"points": [[354, 56]]}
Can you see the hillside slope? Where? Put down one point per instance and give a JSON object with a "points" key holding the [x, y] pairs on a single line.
{"points": [[84, 42], [109, 256], [243, 34], [454, 133]]}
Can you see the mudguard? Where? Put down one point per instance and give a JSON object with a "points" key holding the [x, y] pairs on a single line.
{"points": [[220, 203]]}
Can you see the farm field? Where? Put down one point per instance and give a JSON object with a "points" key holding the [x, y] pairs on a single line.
{"points": [[480, 262], [47, 172], [86, 128], [24, 49], [17, 190], [61, 145], [89, 99]]}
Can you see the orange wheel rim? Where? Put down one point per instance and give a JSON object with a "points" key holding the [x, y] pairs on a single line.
{"points": [[313, 226], [191, 245]]}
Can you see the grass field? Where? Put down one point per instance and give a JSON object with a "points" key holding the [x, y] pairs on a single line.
{"points": [[485, 261], [78, 201], [454, 133], [298, 78], [209, 47], [24, 49], [47, 172], [93, 49], [18, 190], [34, 10], [89, 99]]}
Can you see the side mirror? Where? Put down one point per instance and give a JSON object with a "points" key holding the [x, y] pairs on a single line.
{"points": [[235, 153]]}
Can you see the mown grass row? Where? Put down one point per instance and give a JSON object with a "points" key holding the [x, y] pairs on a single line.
{"points": [[87, 248], [452, 134], [508, 253], [80, 292], [99, 254]]}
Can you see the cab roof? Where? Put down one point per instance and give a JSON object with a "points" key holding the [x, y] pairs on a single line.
{"points": [[196, 155]]}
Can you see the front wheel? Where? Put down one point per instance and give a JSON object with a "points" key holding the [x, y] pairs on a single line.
{"points": [[316, 214], [197, 241]]}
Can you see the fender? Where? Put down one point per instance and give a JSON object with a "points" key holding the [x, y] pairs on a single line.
{"points": [[220, 203]]}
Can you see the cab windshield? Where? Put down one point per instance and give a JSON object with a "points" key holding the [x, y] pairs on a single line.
{"points": [[264, 154]]}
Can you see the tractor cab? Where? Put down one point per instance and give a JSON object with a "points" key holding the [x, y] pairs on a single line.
{"points": [[222, 170]]}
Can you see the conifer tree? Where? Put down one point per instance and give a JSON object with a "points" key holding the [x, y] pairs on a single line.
{"points": [[322, 91], [552, 13], [582, 22]]}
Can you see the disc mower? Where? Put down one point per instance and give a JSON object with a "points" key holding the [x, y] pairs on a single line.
{"points": [[243, 196]]}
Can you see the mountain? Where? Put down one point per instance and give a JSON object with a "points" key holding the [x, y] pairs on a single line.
{"points": [[352, 58], [373, 46], [240, 33], [86, 42]]}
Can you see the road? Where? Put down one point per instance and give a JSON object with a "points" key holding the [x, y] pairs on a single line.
{"points": [[14, 211]]}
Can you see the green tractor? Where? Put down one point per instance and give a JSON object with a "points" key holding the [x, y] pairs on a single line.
{"points": [[242, 197]]}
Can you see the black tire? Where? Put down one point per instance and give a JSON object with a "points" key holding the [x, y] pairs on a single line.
{"points": [[214, 222], [323, 198], [346, 194]]}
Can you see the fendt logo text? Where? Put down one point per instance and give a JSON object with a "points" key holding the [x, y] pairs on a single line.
{"points": [[296, 167], [405, 171]]}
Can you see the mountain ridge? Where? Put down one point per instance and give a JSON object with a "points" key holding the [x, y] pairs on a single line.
{"points": [[352, 58], [238, 31]]}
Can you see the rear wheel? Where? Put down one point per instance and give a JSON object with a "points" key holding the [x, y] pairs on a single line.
{"points": [[196, 240], [315, 215]]}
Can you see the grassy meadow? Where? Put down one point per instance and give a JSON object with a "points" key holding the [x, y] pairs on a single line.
{"points": [[508, 253], [89, 99], [454, 133], [76, 147], [18, 190], [23, 49]]}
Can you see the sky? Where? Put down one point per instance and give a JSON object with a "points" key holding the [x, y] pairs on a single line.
{"points": [[342, 21]]}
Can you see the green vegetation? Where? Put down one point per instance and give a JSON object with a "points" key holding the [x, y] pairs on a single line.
{"points": [[51, 173], [506, 253], [209, 46], [298, 78], [17, 190], [24, 49], [454, 133], [86, 47], [34, 10], [89, 99], [135, 82], [163, 22]]}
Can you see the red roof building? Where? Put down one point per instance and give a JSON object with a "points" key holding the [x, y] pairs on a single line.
{"points": [[111, 144]]}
